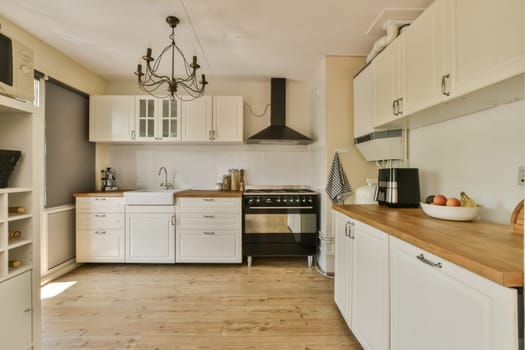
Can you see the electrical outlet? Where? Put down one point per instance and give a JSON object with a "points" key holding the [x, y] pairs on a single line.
{"points": [[521, 175]]}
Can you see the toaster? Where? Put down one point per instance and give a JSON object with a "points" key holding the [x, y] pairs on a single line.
{"points": [[398, 187]]}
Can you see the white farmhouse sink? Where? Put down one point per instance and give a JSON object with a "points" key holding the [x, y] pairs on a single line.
{"points": [[155, 196]]}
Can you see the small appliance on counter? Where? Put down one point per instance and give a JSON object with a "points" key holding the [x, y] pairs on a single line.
{"points": [[366, 194], [398, 187], [109, 182]]}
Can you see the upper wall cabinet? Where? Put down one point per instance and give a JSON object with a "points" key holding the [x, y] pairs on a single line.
{"points": [[213, 119], [111, 118], [467, 53], [157, 119], [153, 120]]}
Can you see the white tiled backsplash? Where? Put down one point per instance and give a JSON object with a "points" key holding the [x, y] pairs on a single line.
{"points": [[201, 166]]}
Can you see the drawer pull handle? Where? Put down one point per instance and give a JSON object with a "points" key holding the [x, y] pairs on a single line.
{"points": [[100, 215], [424, 260], [444, 80], [209, 216], [209, 233], [27, 309], [100, 232], [208, 199], [100, 199]]}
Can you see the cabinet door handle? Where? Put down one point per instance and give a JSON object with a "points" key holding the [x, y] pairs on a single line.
{"points": [[28, 309], [444, 80], [346, 228], [351, 233], [424, 260], [173, 220], [133, 134], [100, 215], [100, 232], [210, 137], [208, 199], [209, 216], [400, 106], [209, 232], [394, 107]]}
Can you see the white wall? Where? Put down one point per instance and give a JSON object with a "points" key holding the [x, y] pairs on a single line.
{"points": [[478, 154]]}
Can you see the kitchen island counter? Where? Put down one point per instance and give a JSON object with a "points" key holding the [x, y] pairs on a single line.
{"points": [[487, 249]]}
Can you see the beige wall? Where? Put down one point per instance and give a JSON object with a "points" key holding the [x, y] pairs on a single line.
{"points": [[339, 119], [55, 64]]}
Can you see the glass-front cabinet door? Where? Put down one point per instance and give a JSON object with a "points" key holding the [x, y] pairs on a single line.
{"points": [[146, 112], [169, 121]]}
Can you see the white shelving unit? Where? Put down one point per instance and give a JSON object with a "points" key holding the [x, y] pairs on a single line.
{"points": [[17, 132]]}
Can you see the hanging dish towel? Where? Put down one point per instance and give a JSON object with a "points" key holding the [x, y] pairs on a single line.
{"points": [[337, 186]]}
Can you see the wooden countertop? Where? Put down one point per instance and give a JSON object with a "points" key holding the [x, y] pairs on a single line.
{"points": [[208, 193], [490, 250], [119, 193]]}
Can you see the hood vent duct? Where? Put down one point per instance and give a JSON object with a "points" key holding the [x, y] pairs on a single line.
{"points": [[278, 132]]}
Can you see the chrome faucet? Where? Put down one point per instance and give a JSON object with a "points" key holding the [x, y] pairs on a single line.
{"points": [[166, 185]]}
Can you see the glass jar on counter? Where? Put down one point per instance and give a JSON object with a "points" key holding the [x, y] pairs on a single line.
{"points": [[234, 174], [226, 182]]}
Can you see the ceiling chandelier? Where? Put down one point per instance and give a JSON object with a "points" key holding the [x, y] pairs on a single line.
{"points": [[151, 81]]}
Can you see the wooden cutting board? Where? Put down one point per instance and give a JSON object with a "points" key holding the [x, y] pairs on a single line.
{"points": [[516, 220]]}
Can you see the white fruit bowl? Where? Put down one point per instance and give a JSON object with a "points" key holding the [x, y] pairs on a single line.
{"points": [[451, 213]]}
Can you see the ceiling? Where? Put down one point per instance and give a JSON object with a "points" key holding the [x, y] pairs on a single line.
{"points": [[234, 38]]}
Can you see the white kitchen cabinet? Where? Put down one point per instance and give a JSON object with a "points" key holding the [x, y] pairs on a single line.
{"points": [[438, 305], [426, 66], [343, 265], [209, 230], [157, 119], [456, 58], [17, 311], [100, 229], [111, 118], [388, 81], [370, 286], [363, 102], [213, 119], [485, 40], [150, 234], [361, 289]]}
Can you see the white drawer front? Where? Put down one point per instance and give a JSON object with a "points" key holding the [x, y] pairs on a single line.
{"points": [[86, 221], [207, 246], [100, 246], [100, 204], [209, 204], [209, 220]]}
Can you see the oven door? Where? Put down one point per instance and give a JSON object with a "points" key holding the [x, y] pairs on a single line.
{"points": [[280, 232]]}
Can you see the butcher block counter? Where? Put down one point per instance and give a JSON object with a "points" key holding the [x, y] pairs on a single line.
{"points": [[100, 194], [208, 193], [489, 250]]}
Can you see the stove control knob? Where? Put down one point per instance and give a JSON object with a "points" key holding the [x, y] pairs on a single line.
{"points": [[285, 200], [251, 201], [304, 200], [297, 200], [268, 200], [258, 200], [310, 200], [278, 200]]}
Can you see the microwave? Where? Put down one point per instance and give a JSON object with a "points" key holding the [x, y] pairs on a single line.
{"points": [[16, 69]]}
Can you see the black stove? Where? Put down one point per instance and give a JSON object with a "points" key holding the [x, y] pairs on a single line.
{"points": [[280, 221]]}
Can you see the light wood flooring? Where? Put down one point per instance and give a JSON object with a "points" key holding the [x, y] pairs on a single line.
{"points": [[276, 304]]}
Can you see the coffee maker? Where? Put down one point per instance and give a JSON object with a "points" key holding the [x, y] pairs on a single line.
{"points": [[398, 187], [109, 182]]}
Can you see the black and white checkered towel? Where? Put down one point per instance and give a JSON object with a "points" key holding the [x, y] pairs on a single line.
{"points": [[337, 186]]}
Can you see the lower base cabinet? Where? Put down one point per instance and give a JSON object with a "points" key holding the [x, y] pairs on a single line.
{"points": [[16, 314], [362, 280], [396, 296], [150, 234], [438, 305]]}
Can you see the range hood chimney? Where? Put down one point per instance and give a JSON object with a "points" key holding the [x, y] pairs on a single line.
{"points": [[278, 132]]}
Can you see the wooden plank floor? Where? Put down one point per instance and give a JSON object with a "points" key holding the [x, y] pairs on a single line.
{"points": [[276, 304]]}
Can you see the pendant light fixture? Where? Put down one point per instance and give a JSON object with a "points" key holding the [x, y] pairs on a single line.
{"points": [[164, 86]]}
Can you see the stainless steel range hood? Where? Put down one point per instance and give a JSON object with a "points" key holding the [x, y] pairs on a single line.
{"points": [[278, 132]]}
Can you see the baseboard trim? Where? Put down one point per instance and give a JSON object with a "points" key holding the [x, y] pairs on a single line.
{"points": [[59, 271]]}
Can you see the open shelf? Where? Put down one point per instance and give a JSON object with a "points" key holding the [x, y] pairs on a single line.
{"points": [[18, 243]]}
